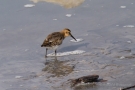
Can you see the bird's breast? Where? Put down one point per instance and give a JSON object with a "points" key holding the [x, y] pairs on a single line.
{"points": [[53, 47]]}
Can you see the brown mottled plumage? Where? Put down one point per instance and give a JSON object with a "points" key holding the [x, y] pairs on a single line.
{"points": [[55, 39]]}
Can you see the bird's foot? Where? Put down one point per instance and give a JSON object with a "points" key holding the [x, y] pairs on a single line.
{"points": [[45, 56]]}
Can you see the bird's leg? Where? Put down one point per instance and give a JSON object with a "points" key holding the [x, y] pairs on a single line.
{"points": [[46, 52], [55, 52], [46, 61]]}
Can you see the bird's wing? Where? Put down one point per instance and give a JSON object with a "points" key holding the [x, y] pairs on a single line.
{"points": [[55, 37]]}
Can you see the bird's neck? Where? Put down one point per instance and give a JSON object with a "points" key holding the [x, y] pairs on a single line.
{"points": [[63, 33]]}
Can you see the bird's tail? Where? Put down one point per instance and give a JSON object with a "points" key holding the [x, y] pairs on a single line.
{"points": [[45, 44], [42, 45]]}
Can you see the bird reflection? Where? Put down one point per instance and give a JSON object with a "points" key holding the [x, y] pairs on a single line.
{"points": [[58, 67]]}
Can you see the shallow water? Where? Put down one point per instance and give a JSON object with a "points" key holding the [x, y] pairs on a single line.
{"points": [[108, 37]]}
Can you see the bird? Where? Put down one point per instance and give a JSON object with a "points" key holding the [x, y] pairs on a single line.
{"points": [[55, 39]]}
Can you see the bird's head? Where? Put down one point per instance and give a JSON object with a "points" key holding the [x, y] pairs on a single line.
{"points": [[67, 32]]}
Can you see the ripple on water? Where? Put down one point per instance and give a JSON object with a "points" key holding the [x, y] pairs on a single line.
{"points": [[67, 53]]}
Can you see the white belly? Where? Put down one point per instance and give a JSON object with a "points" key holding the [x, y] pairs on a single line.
{"points": [[54, 47]]}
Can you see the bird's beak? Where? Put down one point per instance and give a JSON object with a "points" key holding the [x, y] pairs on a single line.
{"points": [[72, 37]]}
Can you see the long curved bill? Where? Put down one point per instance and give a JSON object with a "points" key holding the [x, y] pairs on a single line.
{"points": [[72, 37]]}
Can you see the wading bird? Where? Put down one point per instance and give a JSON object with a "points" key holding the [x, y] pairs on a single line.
{"points": [[55, 39]]}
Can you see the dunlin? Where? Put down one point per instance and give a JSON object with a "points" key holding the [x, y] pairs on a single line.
{"points": [[55, 39]]}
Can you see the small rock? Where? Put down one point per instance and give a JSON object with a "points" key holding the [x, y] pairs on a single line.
{"points": [[84, 79]]}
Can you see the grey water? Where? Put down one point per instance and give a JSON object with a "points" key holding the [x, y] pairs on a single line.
{"points": [[107, 28]]}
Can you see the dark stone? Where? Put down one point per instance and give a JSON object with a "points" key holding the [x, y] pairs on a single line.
{"points": [[85, 79]]}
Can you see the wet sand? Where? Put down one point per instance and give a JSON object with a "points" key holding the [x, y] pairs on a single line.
{"points": [[108, 33], [64, 3]]}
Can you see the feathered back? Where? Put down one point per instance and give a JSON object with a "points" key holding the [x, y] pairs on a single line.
{"points": [[53, 39]]}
